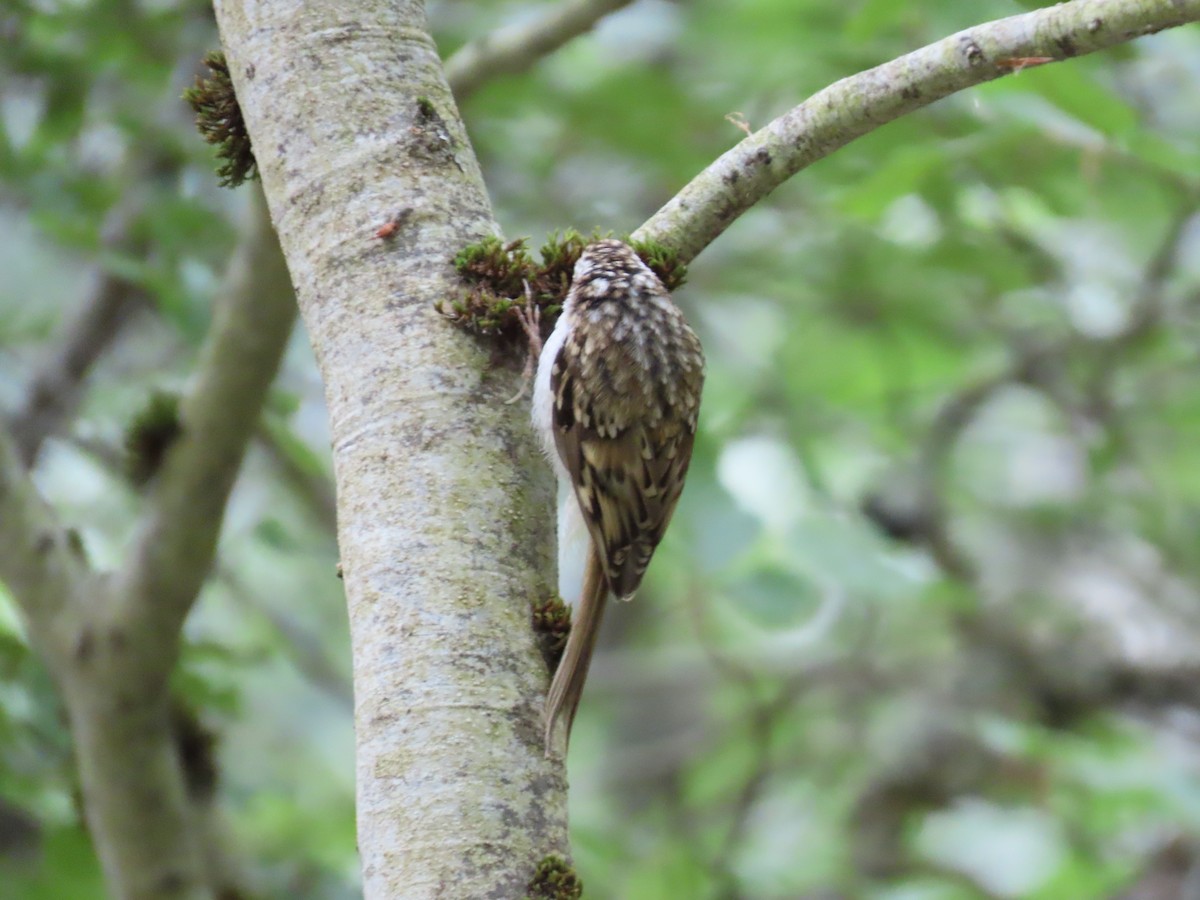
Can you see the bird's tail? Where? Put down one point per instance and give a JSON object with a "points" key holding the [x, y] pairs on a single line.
{"points": [[567, 686]]}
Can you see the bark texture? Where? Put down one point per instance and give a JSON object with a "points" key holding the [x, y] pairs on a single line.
{"points": [[445, 510]]}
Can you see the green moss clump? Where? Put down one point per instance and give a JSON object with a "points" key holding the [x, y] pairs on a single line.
{"points": [[504, 279], [150, 434], [555, 879], [502, 268], [196, 746], [559, 255], [219, 121], [497, 274], [664, 261], [552, 625]]}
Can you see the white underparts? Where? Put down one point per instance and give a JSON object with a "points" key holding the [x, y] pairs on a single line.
{"points": [[572, 531], [573, 542]]}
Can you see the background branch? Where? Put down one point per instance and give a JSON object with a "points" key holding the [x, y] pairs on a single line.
{"points": [[1057, 677], [110, 305], [518, 47], [126, 638]]}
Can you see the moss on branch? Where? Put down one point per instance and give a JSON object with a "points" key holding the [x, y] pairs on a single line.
{"points": [[150, 435], [551, 625], [219, 121], [504, 278], [555, 879]]}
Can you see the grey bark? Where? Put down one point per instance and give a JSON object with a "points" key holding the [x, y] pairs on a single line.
{"points": [[445, 511]]}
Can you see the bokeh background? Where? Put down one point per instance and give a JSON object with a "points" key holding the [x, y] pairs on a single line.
{"points": [[927, 625]]}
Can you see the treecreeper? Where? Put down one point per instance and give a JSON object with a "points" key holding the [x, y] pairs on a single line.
{"points": [[615, 402]]}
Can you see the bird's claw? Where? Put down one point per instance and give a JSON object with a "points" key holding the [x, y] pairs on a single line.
{"points": [[530, 317]]}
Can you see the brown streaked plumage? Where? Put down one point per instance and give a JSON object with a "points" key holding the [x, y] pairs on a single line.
{"points": [[616, 399]]}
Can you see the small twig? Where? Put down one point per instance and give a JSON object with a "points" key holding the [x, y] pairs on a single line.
{"points": [[739, 120], [762, 723], [1147, 311], [1019, 63]]}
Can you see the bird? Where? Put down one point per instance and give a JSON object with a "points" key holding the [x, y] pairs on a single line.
{"points": [[615, 403]]}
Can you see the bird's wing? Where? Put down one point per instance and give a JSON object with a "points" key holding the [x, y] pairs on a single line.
{"points": [[627, 475]]}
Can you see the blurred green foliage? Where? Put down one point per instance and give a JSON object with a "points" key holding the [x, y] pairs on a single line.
{"points": [[926, 623]]}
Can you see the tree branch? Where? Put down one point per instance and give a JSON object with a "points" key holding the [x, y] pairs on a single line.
{"points": [[854, 106], [126, 639], [177, 539], [518, 47], [109, 307]]}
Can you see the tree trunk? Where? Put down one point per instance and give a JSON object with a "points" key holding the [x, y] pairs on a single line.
{"points": [[445, 509]]}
